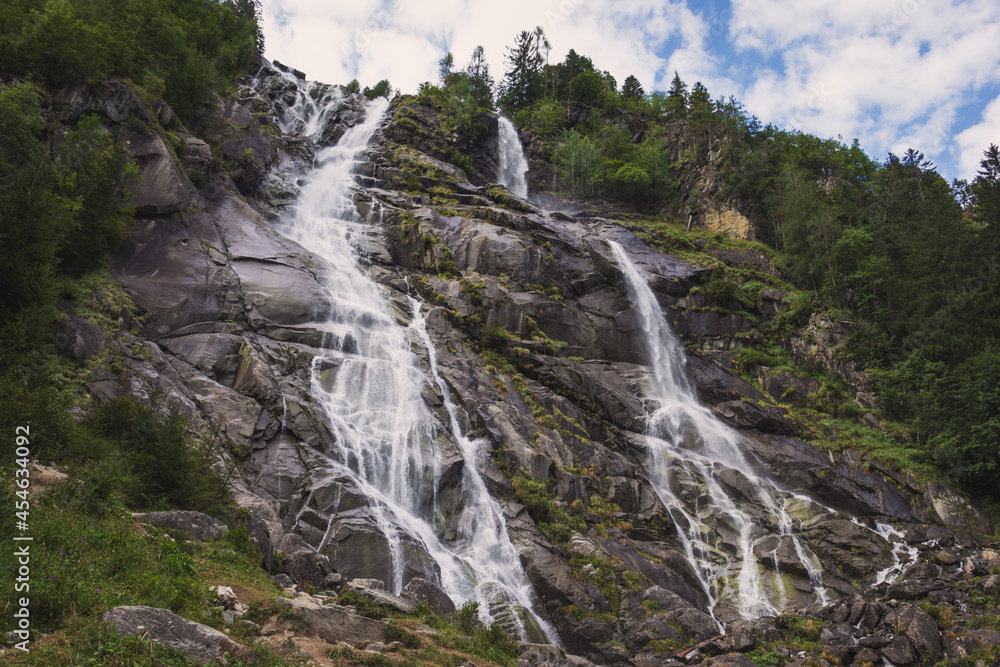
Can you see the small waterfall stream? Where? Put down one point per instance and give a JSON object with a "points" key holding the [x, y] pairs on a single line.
{"points": [[513, 169], [388, 446], [707, 484]]}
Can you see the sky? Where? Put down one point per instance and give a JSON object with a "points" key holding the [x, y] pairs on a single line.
{"points": [[895, 74]]}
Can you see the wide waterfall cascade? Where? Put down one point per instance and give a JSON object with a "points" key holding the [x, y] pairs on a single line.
{"points": [[513, 168], [387, 443], [693, 460]]}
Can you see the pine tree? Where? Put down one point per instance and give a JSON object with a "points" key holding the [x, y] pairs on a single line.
{"points": [[632, 89], [677, 98], [480, 80], [445, 66], [523, 82]]}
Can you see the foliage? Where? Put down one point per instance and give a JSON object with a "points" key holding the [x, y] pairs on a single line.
{"points": [[180, 48], [62, 207], [85, 562], [381, 89]]}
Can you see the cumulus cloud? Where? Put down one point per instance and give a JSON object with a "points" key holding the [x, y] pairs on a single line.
{"points": [[894, 74], [372, 39], [973, 141]]}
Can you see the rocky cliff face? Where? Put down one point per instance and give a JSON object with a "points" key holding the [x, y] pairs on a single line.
{"points": [[539, 346]]}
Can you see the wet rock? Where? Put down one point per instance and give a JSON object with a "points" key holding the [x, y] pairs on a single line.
{"points": [[751, 415], [716, 384], [199, 642]]}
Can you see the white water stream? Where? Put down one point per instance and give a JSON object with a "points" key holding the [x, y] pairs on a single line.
{"points": [[513, 167], [367, 379], [694, 461]]}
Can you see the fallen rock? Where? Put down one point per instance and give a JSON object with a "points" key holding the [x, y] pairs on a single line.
{"points": [[201, 643], [226, 598], [199, 526]]}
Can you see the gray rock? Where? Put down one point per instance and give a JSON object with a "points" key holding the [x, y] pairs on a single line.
{"points": [[923, 632], [334, 623], [201, 643], [162, 188], [79, 339], [374, 590], [199, 526], [226, 598], [283, 580], [302, 568], [425, 592], [900, 651], [767, 418]]}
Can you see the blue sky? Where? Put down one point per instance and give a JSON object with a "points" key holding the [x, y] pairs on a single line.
{"points": [[893, 73]]}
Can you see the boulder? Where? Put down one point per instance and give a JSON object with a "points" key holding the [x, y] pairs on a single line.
{"points": [[199, 526], [226, 598], [201, 643], [79, 340], [302, 568], [375, 591], [923, 632], [425, 592], [333, 623]]}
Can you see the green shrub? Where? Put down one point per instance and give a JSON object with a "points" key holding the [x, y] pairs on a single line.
{"points": [[169, 470], [468, 616], [494, 336], [85, 563]]}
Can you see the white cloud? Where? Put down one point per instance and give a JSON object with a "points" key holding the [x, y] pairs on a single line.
{"points": [[894, 74], [972, 142], [335, 42]]}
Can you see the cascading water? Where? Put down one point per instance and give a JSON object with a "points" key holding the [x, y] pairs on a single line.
{"points": [[706, 482], [387, 444], [513, 167], [487, 546]]}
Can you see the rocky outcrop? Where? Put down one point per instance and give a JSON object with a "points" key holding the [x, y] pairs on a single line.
{"points": [[200, 643]]}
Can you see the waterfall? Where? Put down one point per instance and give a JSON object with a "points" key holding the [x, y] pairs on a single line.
{"points": [[387, 445], [722, 507], [487, 547], [513, 168]]}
